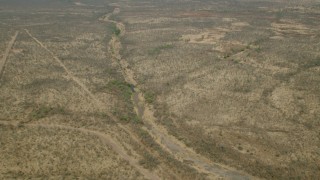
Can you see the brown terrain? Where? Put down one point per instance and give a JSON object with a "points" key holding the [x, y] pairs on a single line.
{"points": [[136, 89]]}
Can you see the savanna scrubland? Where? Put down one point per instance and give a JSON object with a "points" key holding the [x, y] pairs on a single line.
{"points": [[136, 89]]}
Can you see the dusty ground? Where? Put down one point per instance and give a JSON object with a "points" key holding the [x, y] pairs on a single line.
{"points": [[153, 90], [239, 85]]}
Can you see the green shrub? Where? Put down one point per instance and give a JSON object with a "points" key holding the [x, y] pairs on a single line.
{"points": [[127, 116], [45, 111], [148, 161], [121, 88], [312, 63], [146, 138], [115, 30], [149, 97], [157, 50]]}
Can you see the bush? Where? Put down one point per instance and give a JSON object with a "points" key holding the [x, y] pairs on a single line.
{"points": [[148, 161], [149, 97], [312, 63], [121, 88], [116, 30], [157, 50], [45, 111]]}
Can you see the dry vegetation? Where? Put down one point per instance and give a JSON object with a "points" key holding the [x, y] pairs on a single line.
{"points": [[39, 152], [138, 89], [240, 84]]}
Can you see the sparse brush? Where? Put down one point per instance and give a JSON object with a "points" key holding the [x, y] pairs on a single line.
{"points": [[149, 97], [115, 30], [312, 63], [148, 161], [44, 111], [157, 50], [121, 88]]}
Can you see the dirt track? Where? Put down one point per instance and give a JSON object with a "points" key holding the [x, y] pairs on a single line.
{"points": [[6, 53], [99, 105], [108, 140], [76, 80], [177, 148]]}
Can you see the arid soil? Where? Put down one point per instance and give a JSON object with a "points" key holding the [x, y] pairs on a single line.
{"points": [[159, 90], [236, 82]]}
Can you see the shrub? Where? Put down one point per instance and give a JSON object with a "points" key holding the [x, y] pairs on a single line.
{"points": [[121, 88], [115, 30], [149, 97], [157, 50], [45, 111], [148, 161], [312, 63]]}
